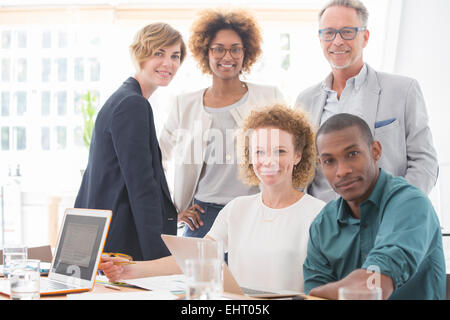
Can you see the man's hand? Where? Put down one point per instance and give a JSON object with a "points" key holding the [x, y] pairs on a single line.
{"points": [[357, 279]]}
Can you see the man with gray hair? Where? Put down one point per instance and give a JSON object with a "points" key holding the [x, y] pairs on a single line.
{"points": [[393, 106]]}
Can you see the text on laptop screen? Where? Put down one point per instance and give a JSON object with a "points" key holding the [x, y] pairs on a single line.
{"points": [[77, 251]]}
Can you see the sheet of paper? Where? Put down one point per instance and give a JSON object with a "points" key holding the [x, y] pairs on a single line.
{"points": [[78, 244], [174, 283], [139, 295]]}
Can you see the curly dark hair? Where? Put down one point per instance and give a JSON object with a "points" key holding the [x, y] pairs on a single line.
{"points": [[294, 121], [211, 21]]}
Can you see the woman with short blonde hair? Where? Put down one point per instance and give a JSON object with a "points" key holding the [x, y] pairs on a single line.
{"points": [[124, 172], [152, 38]]}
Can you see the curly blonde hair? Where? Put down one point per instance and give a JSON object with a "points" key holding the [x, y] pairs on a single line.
{"points": [[293, 121], [211, 21]]}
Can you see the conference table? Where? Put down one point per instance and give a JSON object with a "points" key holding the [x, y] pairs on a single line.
{"points": [[102, 290]]}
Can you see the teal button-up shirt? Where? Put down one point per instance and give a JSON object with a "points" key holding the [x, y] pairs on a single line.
{"points": [[398, 235]]}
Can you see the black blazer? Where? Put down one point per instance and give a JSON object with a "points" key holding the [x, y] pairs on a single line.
{"points": [[125, 174]]}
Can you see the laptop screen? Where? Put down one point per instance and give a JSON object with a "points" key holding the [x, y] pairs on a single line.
{"points": [[79, 244]]}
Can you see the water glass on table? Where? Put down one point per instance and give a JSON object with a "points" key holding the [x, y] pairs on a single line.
{"points": [[24, 279], [11, 253], [204, 279], [204, 274]]}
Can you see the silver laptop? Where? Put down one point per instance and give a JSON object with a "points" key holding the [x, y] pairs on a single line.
{"points": [[183, 248], [77, 255]]}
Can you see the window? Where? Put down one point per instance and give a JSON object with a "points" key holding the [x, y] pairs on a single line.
{"points": [[46, 39], [62, 39], [61, 64], [45, 103], [77, 102], [79, 69], [45, 138], [95, 69], [61, 137], [96, 98], [21, 97], [285, 46], [21, 138], [78, 136], [59, 123], [5, 104], [5, 138], [6, 39], [95, 41], [6, 69], [21, 70], [46, 65], [61, 103], [21, 39]]}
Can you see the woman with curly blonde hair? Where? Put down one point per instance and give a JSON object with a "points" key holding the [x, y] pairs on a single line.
{"points": [[265, 234], [288, 120], [271, 228], [226, 43]]}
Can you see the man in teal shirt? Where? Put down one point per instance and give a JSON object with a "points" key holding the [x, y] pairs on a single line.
{"points": [[381, 228]]}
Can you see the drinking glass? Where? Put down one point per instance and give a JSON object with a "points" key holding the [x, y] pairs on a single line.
{"points": [[11, 253], [349, 293], [24, 279], [204, 274], [204, 279]]}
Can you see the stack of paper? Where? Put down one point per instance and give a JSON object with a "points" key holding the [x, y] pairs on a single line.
{"points": [[174, 283]]}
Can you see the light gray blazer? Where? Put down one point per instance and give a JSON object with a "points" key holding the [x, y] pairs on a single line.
{"points": [[394, 108]]}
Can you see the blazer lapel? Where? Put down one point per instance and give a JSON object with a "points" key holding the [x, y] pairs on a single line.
{"points": [[318, 103], [368, 98]]}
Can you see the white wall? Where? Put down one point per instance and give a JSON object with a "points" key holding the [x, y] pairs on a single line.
{"points": [[423, 53]]}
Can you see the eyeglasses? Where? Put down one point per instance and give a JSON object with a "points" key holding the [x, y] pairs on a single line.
{"points": [[219, 52], [347, 33]]}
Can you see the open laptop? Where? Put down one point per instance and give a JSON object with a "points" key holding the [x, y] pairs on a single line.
{"points": [[183, 248], [77, 255]]}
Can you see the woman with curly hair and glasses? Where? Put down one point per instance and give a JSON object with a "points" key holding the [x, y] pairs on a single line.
{"points": [[265, 234], [199, 131]]}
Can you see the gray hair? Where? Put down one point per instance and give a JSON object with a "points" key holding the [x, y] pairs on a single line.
{"points": [[360, 8]]}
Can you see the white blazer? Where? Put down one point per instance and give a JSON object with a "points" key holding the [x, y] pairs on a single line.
{"points": [[184, 135], [394, 108]]}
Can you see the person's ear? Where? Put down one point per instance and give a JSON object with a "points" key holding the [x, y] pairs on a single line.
{"points": [[377, 150], [298, 158], [366, 36]]}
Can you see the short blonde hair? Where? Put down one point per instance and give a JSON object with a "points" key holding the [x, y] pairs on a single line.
{"points": [[211, 21], [153, 37], [293, 121]]}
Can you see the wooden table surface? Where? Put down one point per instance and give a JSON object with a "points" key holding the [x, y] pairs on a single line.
{"points": [[100, 288]]}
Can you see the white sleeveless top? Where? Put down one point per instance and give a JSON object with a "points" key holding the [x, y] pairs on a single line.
{"points": [[266, 247]]}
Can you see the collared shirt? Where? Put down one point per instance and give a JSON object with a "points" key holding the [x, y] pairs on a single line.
{"points": [[398, 235], [345, 104]]}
